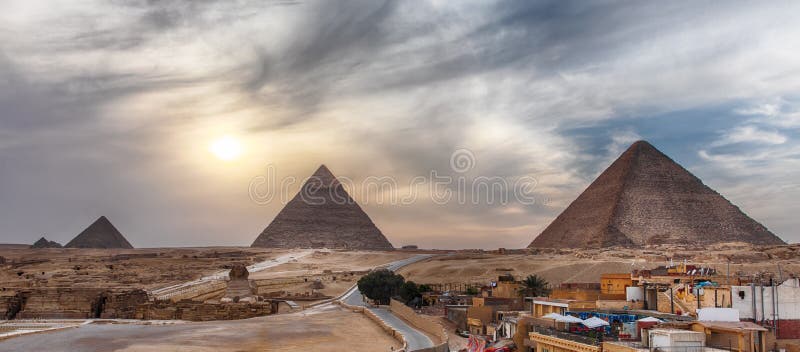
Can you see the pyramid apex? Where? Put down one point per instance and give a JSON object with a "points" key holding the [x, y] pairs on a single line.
{"points": [[323, 168], [641, 144]]}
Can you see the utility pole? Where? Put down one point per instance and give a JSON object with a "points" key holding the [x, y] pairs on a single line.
{"points": [[729, 272], [698, 298], [671, 301]]}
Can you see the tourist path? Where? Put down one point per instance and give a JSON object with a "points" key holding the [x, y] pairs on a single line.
{"points": [[416, 339]]}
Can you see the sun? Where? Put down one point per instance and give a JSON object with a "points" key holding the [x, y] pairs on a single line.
{"points": [[226, 148]]}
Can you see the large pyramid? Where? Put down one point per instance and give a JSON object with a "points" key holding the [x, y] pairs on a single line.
{"points": [[322, 215], [643, 198], [100, 234]]}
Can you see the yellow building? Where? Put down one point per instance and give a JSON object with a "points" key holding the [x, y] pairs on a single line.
{"points": [[541, 306], [735, 336], [615, 284], [506, 289]]}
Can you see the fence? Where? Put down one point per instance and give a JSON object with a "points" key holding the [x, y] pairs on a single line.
{"points": [[586, 340]]}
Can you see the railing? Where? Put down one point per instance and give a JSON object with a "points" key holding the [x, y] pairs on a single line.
{"points": [[586, 340], [641, 346]]}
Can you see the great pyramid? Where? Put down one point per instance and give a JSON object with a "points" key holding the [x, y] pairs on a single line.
{"points": [[322, 215], [643, 198], [100, 234]]}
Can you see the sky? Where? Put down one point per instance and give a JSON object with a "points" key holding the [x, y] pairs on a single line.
{"points": [[112, 108]]}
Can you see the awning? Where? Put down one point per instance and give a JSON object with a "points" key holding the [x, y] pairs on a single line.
{"points": [[571, 319], [595, 322], [651, 320], [553, 316]]}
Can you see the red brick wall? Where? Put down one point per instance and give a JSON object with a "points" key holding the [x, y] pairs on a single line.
{"points": [[789, 329]]}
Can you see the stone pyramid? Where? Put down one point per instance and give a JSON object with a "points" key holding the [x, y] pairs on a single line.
{"points": [[322, 215], [44, 243], [643, 198], [100, 234]]}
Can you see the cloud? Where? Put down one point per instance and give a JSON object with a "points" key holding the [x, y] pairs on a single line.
{"points": [[751, 134], [546, 89]]}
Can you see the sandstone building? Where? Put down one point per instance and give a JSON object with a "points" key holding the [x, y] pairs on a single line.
{"points": [[643, 198]]}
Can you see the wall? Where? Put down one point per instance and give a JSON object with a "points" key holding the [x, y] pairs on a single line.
{"points": [[61, 302], [484, 314], [86, 303], [618, 305], [615, 284], [613, 347], [426, 324], [555, 344], [581, 294], [788, 301], [458, 316], [506, 289], [386, 327], [788, 306]]}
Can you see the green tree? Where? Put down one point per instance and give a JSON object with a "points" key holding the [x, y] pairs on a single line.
{"points": [[424, 288], [535, 286], [409, 290], [472, 291], [380, 285]]}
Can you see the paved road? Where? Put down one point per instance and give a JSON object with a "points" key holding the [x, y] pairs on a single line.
{"points": [[415, 338]]}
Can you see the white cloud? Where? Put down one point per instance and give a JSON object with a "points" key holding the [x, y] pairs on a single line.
{"points": [[779, 112], [751, 134]]}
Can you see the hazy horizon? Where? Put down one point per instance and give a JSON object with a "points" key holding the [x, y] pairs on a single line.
{"points": [[162, 115]]}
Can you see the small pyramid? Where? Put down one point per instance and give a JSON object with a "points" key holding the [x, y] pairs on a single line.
{"points": [[100, 234], [44, 243], [643, 198], [322, 215]]}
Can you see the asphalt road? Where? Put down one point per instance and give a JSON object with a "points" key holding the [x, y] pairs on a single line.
{"points": [[416, 339]]}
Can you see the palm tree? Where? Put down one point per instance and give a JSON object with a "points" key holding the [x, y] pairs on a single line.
{"points": [[535, 286]]}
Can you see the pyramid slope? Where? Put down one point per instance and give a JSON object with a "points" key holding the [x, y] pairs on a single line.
{"points": [[643, 198], [322, 215], [100, 234]]}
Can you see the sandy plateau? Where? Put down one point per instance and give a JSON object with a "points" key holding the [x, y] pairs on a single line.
{"points": [[326, 272], [325, 329]]}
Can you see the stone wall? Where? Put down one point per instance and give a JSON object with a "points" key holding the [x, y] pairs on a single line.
{"points": [[426, 324], [618, 305], [59, 302], [386, 327], [87, 303], [202, 311]]}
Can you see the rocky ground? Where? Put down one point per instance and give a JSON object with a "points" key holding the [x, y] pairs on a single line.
{"points": [[119, 268]]}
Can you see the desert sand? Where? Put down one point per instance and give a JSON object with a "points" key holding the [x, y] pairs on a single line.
{"points": [[324, 329]]}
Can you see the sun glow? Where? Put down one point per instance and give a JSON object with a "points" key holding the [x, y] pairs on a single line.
{"points": [[226, 148]]}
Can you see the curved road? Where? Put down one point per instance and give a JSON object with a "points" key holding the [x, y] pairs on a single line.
{"points": [[415, 338]]}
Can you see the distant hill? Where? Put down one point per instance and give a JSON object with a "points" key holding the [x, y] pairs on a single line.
{"points": [[645, 197], [14, 246]]}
